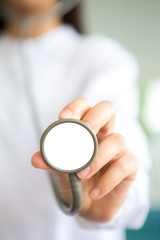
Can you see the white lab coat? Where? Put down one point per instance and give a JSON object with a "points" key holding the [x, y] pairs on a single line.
{"points": [[62, 65]]}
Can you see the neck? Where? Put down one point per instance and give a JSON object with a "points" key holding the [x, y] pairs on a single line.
{"points": [[35, 30], [32, 22]]}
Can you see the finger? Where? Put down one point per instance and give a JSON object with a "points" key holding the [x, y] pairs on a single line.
{"points": [[111, 147], [60, 178], [125, 167], [100, 115], [106, 130], [76, 109], [38, 162]]}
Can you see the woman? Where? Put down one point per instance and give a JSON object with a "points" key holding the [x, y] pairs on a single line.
{"points": [[69, 75]]}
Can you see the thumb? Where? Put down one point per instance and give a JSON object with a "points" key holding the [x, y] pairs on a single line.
{"points": [[61, 179]]}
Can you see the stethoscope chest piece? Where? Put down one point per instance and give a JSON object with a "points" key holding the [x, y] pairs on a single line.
{"points": [[68, 146]]}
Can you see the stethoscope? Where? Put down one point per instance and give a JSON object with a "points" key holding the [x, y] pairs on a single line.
{"points": [[67, 145]]}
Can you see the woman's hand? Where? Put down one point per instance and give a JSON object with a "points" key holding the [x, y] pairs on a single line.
{"points": [[107, 180]]}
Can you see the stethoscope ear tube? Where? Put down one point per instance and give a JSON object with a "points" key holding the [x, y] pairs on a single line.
{"points": [[77, 195]]}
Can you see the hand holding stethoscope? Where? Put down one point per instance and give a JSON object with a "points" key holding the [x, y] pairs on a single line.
{"points": [[106, 180]]}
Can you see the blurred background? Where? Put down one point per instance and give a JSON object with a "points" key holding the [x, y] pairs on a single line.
{"points": [[135, 24]]}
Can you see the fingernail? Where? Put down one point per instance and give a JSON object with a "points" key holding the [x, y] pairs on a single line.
{"points": [[84, 172], [66, 114], [95, 193]]}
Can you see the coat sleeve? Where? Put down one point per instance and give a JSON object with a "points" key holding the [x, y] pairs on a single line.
{"points": [[112, 76]]}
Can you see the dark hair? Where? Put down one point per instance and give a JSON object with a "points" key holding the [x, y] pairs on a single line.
{"points": [[2, 25], [74, 18]]}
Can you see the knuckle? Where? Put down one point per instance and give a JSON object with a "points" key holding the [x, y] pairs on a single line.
{"points": [[104, 130], [118, 138], [129, 163], [124, 166]]}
